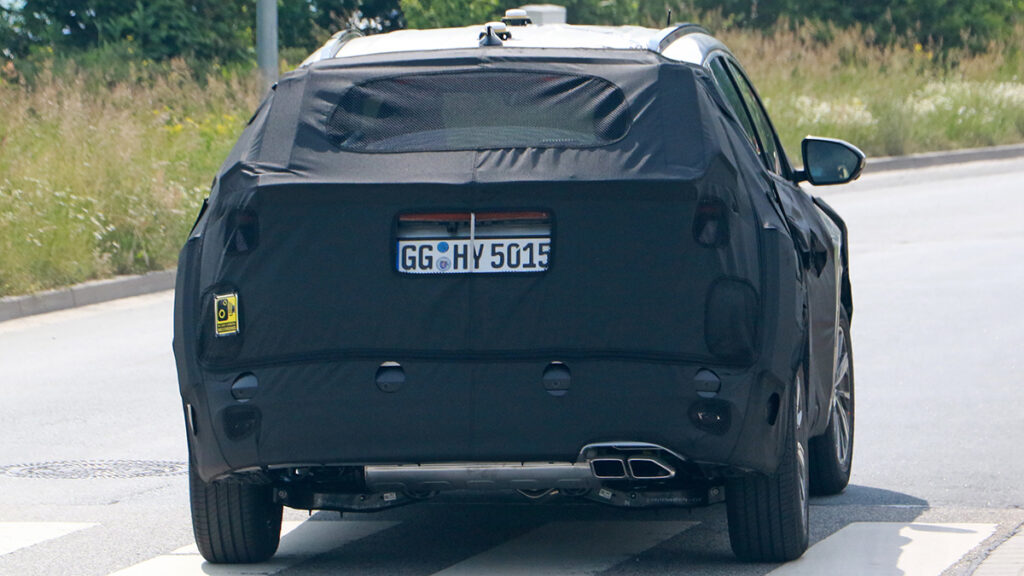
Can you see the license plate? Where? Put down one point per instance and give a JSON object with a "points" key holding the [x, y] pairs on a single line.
{"points": [[481, 255]]}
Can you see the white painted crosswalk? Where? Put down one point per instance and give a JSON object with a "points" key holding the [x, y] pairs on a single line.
{"points": [[569, 549], [299, 541], [18, 535], [889, 549], [576, 548]]}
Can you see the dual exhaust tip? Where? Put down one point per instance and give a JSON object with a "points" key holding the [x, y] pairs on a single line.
{"points": [[633, 467]]}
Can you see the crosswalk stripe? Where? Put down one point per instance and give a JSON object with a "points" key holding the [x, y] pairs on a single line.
{"points": [[299, 541], [578, 548], [569, 548], [1006, 560], [287, 527], [889, 549], [17, 535]]}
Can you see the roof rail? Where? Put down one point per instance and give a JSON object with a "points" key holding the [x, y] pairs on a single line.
{"points": [[332, 47], [342, 38], [669, 35]]}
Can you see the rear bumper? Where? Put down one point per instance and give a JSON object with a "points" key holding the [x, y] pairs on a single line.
{"points": [[340, 414]]}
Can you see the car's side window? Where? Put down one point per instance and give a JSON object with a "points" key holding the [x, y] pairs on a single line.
{"points": [[765, 133], [732, 96]]}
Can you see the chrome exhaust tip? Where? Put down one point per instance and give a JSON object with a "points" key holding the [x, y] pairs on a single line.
{"points": [[643, 468], [608, 468]]}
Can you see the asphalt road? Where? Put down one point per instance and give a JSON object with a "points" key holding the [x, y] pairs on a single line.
{"points": [[92, 445]]}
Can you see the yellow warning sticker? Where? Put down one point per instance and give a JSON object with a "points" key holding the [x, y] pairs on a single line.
{"points": [[226, 311]]}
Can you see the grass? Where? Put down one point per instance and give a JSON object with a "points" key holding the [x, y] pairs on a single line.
{"points": [[102, 173], [99, 178], [890, 100]]}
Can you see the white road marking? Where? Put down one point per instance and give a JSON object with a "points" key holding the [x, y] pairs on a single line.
{"points": [[17, 535], [287, 527], [889, 549], [1006, 560], [569, 548], [299, 541]]}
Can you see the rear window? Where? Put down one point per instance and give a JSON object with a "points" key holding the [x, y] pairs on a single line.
{"points": [[479, 111]]}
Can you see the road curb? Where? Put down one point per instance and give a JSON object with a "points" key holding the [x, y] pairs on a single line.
{"points": [[929, 159], [125, 286], [84, 294]]}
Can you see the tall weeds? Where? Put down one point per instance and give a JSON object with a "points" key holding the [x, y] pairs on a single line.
{"points": [[891, 99], [100, 178]]}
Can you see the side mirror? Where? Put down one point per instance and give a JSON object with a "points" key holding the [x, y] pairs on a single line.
{"points": [[829, 161]]}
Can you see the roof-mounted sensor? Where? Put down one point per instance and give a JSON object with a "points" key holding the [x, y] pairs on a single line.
{"points": [[517, 17]]}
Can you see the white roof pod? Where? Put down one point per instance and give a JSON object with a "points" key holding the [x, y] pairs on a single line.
{"points": [[517, 17]]}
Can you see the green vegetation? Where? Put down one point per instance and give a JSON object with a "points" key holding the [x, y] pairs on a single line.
{"points": [[221, 30], [100, 178], [224, 29], [889, 100], [105, 159], [942, 23], [449, 13]]}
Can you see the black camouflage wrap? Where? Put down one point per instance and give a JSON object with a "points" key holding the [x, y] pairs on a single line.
{"points": [[641, 292]]}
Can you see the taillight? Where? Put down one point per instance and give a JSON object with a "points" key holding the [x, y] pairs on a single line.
{"points": [[711, 223], [242, 233]]}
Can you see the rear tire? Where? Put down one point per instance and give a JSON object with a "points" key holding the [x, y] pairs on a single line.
{"points": [[768, 514], [234, 523], [832, 452]]}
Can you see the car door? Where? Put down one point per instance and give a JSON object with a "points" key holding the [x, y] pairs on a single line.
{"points": [[816, 238]]}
